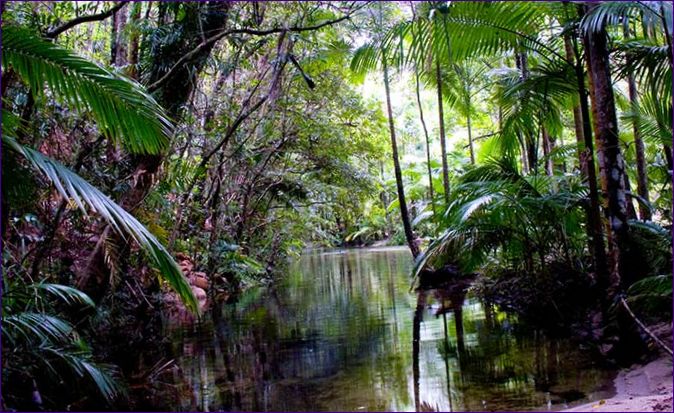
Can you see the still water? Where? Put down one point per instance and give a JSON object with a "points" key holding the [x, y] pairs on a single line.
{"points": [[343, 332]]}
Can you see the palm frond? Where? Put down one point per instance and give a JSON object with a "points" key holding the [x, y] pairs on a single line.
{"points": [[470, 29], [121, 108], [653, 117], [72, 186], [366, 59], [101, 376], [68, 295], [33, 327], [652, 63], [652, 294], [616, 12]]}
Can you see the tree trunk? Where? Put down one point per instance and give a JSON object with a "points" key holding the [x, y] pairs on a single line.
{"points": [[577, 114], [443, 143], [530, 142], [668, 157], [525, 157], [595, 231], [134, 41], [631, 211], [611, 163], [470, 136], [117, 59], [642, 168], [547, 149], [118, 52], [428, 144], [404, 215]]}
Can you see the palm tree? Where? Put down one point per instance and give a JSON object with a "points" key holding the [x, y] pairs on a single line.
{"points": [[417, 89], [370, 57], [642, 169], [123, 112], [489, 29], [612, 170], [646, 55], [441, 123]]}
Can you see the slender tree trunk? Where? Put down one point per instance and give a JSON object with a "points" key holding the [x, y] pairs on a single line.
{"points": [[443, 143], [611, 163], [117, 59], [524, 157], [577, 114], [631, 211], [113, 38], [384, 199], [428, 143], [595, 232], [404, 214], [470, 135], [642, 168], [118, 50], [547, 149], [134, 42], [668, 157], [530, 142]]}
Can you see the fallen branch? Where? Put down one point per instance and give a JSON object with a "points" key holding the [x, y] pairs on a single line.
{"points": [[644, 328]]}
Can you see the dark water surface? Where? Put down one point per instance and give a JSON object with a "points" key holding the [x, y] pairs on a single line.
{"points": [[338, 334]]}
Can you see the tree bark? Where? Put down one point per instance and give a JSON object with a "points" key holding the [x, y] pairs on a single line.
{"points": [[443, 143], [119, 52], [547, 149], [134, 43], [595, 231], [577, 114], [611, 163], [404, 214], [631, 211]]}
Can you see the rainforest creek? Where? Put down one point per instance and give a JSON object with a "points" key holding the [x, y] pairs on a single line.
{"points": [[333, 205]]}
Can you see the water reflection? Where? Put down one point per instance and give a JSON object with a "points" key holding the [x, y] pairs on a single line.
{"points": [[343, 333]]}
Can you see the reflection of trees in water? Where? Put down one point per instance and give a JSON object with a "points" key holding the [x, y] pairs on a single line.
{"points": [[491, 363], [342, 332], [273, 352]]}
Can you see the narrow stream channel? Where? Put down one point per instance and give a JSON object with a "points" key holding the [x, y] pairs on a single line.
{"points": [[338, 334]]}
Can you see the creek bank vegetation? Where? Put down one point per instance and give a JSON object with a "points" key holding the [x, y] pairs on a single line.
{"points": [[160, 157]]}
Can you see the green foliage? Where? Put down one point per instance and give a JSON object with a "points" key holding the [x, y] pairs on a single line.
{"points": [[652, 14], [652, 295], [38, 342], [494, 209], [72, 186], [121, 108]]}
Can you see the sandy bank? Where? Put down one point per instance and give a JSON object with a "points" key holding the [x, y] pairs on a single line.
{"points": [[641, 388]]}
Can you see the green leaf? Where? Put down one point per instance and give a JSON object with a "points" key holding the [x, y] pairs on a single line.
{"points": [[121, 108], [72, 186], [68, 295]]}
